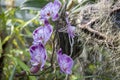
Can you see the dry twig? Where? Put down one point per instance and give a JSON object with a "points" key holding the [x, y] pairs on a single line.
{"points": [[96, 33]]}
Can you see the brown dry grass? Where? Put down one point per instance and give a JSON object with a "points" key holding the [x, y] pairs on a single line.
{"points": [[102, 54]]}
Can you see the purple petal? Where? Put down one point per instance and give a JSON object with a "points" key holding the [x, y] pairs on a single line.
{"points": [[68, 71], [71, 31], [56, 7], [46, 22], [48, 32], [55, 17], [57, 3], [59, 51], [50, 11], [42, 34], [34, 69], [65, 62], [67, 21], [38, 55], [38, 34], [46, 11]]}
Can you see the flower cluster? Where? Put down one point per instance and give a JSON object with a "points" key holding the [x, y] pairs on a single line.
{"points": [[42, 34]]}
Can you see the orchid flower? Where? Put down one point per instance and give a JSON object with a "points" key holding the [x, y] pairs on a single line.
{"points": [[50, 10], [65, 62], [38, 56], [43, 33], [70, 29]]}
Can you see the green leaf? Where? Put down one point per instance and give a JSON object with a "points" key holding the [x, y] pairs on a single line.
{"points": [[28, 22], [25, 67], [13, 72], [6, 39], [34, 4], [32, 78], [22, 65]]}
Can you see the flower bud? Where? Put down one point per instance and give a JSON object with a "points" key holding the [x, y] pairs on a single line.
{"points": [[34, 69]]}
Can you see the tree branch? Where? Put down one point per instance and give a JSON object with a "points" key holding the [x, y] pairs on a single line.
{"points": [[93, 32]]}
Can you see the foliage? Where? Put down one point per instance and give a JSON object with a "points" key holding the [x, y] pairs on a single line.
{"points": [[36, 5], [15, 39]]}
